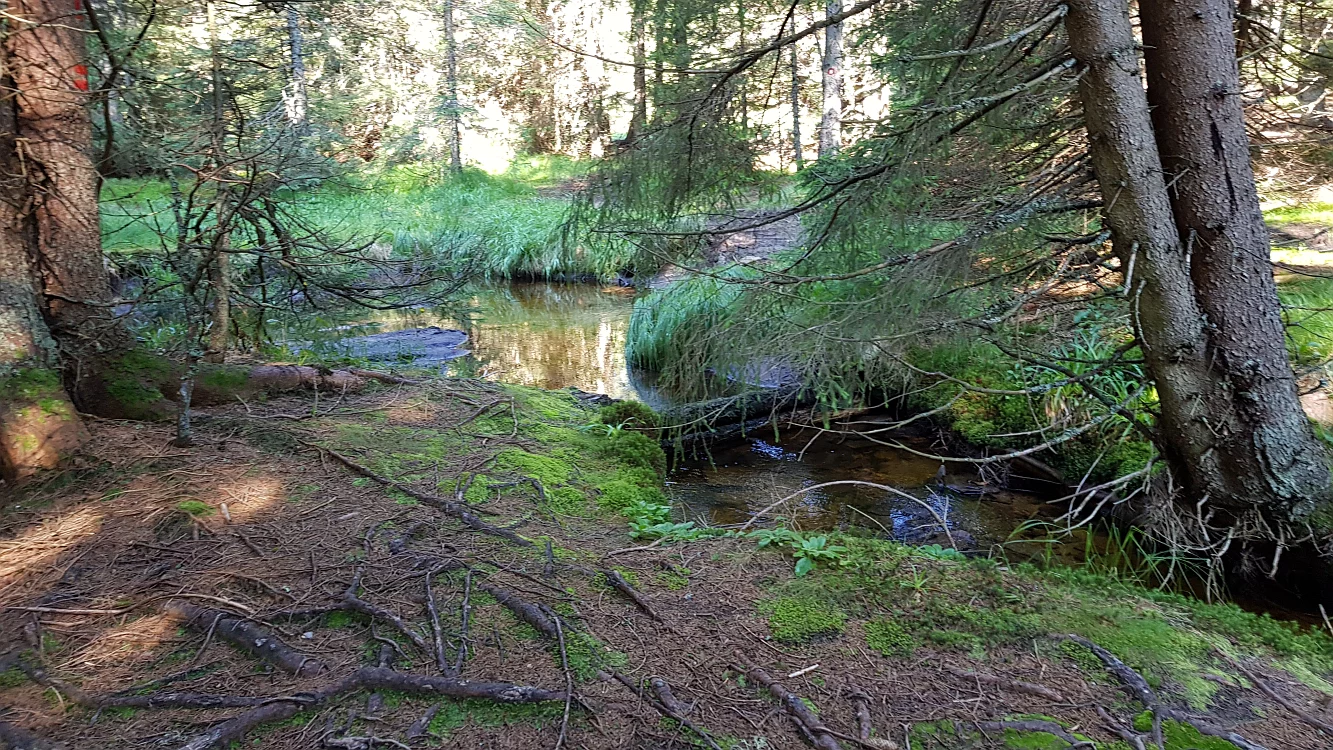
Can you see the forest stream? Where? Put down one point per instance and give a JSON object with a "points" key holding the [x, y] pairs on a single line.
{"points": [[557, 336]]}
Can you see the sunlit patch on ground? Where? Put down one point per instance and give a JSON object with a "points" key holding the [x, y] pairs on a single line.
{"points": [[35, 549]]}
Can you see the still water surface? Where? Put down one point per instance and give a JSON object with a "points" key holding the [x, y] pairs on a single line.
{"points": [[559, 336]]}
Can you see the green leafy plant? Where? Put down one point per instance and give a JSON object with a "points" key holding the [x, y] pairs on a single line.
{"points": [[813, 550]]}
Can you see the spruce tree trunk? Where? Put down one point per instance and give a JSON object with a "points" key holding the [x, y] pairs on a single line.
{"points": [[298, 102], [638, 36], [1267, 452], [451, 91], [38, 423], [830, 124], [46, 52], [1201, 430]]}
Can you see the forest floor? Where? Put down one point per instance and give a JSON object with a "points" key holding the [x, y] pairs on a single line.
{"points": [[267, 588]]}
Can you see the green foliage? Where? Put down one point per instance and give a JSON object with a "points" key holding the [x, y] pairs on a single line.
{"points": [[1178, 736], [888, 638], [798, 619], [455, 715], [546, 469], [808, 551]]}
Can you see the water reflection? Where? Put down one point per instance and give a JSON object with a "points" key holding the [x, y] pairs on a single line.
{"points": [[544, 335]]}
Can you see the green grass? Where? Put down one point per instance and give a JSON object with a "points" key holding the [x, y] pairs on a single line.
{"points": [[1306, 213], [501, 224]]}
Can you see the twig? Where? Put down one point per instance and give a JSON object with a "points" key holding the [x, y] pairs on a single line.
{"points": [[435, 626], [352, 601], [464, 618], [1018, 686], [1267, 690], [801, 714], [618, 582], [569, 681]]}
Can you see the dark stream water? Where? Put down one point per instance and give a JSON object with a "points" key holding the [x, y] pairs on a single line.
{"points": [[557, 336]]}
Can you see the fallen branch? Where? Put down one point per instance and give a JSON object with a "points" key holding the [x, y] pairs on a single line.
{"points": [[248, 637], [619, 583], [368, 678], [523, 610], [806, 720]]}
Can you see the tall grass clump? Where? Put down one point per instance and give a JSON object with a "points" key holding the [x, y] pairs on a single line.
{"points": [[504, 226]]}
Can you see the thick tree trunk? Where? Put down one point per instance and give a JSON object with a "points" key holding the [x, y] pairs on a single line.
{"points": [[830, 124], [1265, 450], [1201, 432], [38, 424], [453, 114], [46, 52], [798, 151], [298, 101]]}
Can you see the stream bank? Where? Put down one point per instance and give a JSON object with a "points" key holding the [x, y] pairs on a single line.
{"points": [[338, 530]]}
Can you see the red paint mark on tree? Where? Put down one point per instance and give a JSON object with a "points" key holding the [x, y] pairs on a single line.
{"points": [[81, 77]]}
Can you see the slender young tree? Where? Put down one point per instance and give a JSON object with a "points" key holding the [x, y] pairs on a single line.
{"points": [[830, 123], [220, 252], [638, 38], [452, 113], [798, 151]]}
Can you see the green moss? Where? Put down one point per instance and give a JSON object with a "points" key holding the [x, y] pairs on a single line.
{"points": [[30, 384], [1178, 736], [196, 508], [619, 495], [12, 677], [798, 619], [566, 500], [888, 638], [454, 715], [546, 469], [674, 579], [133, 381], [628, 414], [223, 378]]}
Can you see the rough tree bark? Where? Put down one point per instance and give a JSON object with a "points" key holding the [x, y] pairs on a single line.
{"points": [[1213, 439], [1264, 447], [38, 424], [452, 114], [46, 50], [830, 124]]}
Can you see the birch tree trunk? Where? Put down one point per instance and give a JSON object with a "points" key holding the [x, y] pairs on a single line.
{"points": [[1266, 451], [1204, 432], [830, 124]]}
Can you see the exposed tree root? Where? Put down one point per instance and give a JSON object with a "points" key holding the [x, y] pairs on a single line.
{"points": [[353, 602], [1048, 727], [449, 507], [1138, 687], [619, 583], [523, 610], [368, 678], [248, 637], [669, 711], [806, 720], [1017, 686]]}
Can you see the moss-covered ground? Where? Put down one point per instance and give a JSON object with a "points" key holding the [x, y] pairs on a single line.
{"points": [[255, 519]]}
